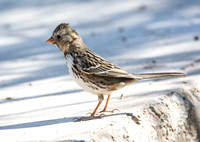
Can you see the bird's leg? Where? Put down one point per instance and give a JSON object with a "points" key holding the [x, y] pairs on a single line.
{"points": [[94, 112], [104, 110], [100, 98]]}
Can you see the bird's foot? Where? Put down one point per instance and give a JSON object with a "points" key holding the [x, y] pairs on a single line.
{"points": [[109, 111], [86, 118]]}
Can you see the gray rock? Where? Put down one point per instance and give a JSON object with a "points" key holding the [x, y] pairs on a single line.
{"points": [[170, 118]]}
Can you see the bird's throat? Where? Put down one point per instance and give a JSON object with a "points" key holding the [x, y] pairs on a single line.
{"points": [[64, 49]]}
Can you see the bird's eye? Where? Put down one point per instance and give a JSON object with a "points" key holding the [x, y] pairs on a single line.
{"points": [[58, 36]]}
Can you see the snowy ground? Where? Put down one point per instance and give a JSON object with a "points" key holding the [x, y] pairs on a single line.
{"points": [[38, 98]]}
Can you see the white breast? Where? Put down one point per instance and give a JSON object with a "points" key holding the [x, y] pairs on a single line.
{"points": [[88, 87]]}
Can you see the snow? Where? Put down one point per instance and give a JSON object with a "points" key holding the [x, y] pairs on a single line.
{"points": [[39, 99]]}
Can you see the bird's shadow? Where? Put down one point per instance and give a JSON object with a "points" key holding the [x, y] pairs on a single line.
{"points": [[61, 120], [133, 117], [38, 123]]}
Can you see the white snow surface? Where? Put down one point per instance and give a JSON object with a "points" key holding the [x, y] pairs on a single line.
{"points": [[39, 99]]}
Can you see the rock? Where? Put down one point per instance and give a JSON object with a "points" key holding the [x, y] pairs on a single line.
{"points": [[170, 118], [192, 93]]}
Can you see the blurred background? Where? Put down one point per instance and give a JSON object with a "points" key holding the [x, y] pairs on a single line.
{"points": [[138, 35]]}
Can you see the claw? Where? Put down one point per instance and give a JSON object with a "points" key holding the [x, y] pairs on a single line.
{"points": [[115, 110], [89, 113], [100, 114], [112, 111]]}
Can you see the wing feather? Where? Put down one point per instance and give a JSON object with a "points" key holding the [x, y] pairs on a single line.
{"points": [[92, 63]]}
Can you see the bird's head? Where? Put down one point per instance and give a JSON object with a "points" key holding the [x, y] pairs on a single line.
{"points": [[65, 37]]}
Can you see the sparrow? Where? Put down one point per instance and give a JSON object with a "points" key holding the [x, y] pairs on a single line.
{"points": [[91, 72]]}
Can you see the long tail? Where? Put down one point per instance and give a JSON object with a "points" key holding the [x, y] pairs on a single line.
{"points": [[160, 75]]}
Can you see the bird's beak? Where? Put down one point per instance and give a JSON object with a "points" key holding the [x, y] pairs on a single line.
{"points": [[50, 40]]}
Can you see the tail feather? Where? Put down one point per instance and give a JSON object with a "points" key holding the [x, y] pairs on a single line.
{"points": [[160, 75]]}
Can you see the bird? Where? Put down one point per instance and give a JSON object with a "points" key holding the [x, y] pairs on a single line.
{"points": [[93, 73]]}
